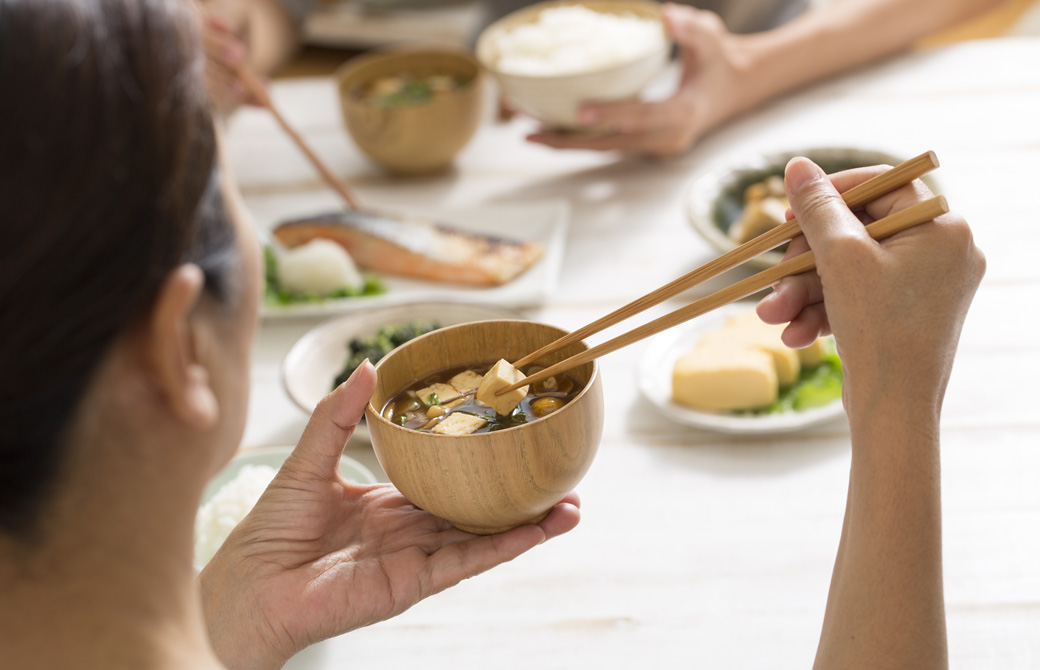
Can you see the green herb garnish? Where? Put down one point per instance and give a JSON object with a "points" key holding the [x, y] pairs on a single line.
{"points": [[500, 422], [433, 400]]}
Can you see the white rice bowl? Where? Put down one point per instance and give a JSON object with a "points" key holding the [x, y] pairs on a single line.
{"points": [[226, 509], [551, 58], [573, 40]]}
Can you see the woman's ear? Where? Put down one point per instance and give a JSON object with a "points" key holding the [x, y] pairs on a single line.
{"points": [[172, 350]]}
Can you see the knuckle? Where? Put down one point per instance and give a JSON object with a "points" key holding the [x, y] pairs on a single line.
{"points": [[846, 246], [814, 201]]}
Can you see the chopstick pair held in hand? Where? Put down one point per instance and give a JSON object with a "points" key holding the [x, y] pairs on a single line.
{"points": [[858, 196]]}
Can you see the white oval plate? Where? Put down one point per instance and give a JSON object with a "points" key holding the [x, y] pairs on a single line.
{"points": [[654, 378], [311, 366], [707, 189]]}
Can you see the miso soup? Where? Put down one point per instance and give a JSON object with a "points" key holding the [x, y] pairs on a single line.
{"points": [[445, 402]]}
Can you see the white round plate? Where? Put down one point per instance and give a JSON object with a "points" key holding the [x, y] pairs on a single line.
{"points": [[654, 378], [312, 364], [715, 197], [352, 470]]}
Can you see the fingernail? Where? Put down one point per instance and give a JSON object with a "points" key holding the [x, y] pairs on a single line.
{"points": [[778, 288], [799, 172], [352, 379], [588, 116]]}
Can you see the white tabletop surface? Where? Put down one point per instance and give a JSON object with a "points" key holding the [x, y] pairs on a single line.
{"points": [[699, 549]]}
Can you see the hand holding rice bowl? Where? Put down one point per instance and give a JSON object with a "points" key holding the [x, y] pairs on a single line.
{"points": [[552, 57]]}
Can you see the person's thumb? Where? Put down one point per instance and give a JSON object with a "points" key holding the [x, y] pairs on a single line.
{"points": [[332, 424], [822, 215]]}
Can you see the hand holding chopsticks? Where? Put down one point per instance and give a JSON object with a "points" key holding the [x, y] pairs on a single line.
{"points": [[855, 197]]}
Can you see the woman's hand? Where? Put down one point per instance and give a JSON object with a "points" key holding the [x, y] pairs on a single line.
{"points": [[226, 53], [712, 89], [258, 34], [895, 308], [318, 557]]}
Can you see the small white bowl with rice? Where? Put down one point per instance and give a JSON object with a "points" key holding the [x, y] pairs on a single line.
{"points": [[230, 495], [552, 57]]}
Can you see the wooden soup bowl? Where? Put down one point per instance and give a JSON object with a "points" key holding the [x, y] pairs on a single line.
{"points": [[486, 482], [420, 138]]}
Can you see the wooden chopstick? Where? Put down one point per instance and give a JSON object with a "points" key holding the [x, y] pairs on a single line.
{"points": [[914, 215], [857, 196], [258, 91]]}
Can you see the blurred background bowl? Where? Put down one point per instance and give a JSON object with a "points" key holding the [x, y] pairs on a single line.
{"points": [[555, 99], [419, 137], [715, 200], [486, 482]]}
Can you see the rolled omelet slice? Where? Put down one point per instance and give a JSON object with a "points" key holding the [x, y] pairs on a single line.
{"points": [[809, 357], [754, 333], [812, 355], [725, 378]]}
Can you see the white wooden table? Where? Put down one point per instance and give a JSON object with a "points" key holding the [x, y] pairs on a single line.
{"points": [[698, 549]]}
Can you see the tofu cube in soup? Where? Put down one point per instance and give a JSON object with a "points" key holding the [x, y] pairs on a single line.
{"points": [[465, 382], [459, 423], [723, 379], [501, 375], [437, 394]]}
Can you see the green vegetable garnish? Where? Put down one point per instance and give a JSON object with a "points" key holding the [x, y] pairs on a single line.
{"points": [[815, 387], [433, 400], [500, 422]]}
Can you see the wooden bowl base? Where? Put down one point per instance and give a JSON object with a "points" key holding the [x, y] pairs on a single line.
{"points": [[484, 530]]}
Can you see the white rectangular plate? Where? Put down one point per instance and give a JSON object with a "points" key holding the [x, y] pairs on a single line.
{"points": [[544, 222]]}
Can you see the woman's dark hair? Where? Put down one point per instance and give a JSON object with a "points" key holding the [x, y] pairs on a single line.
{"points": [[107, 154]]}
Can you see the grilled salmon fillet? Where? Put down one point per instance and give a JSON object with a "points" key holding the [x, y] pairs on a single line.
{"points": [[413, 247]]}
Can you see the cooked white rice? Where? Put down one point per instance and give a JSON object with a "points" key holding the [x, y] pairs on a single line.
{"points": [[572, 40], [228, 506]]}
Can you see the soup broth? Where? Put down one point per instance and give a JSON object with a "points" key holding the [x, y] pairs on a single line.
{"points": [[430, 402]]}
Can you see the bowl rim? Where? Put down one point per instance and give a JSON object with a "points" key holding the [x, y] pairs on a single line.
{"points": [[378, 413], [383, 52], [483, 43]]}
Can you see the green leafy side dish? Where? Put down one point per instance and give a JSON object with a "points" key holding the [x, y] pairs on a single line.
{"points": [[383, 342], [815, 387], [275, 294]]}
